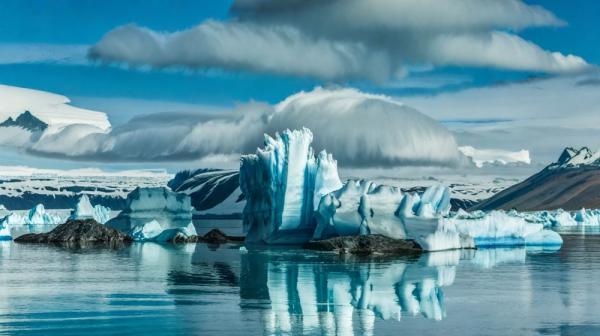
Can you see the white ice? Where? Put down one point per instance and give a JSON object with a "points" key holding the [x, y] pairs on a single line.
{"points": [[36, 216], [281, 183], [85, 210], [5, 233], [147, 209], [293, 197]]}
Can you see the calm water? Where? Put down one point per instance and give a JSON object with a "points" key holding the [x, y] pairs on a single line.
{"points": [[197, 290]]}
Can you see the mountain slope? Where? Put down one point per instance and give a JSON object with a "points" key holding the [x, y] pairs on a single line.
{"points": [[213, 192], [571, 183]]}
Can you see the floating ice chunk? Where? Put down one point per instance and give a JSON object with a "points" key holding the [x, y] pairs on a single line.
{"points": [[39, 216], [147, 231], [543, 238], [498, 228], [432, 235], [35, 216], [147, 209], [564, 219], [154, 231], [5, 233], [13, 219], [3, 211], [423, 221], [85, 210]]}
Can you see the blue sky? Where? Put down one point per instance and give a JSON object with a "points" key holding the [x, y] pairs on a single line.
{"points": [[121, 91], [68, 22]]}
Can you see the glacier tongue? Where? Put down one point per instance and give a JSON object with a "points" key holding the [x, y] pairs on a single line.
{"points": [[85, 210]]}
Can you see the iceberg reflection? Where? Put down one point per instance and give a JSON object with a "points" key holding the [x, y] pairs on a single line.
{"points": [[329, 297], [300, 293]]}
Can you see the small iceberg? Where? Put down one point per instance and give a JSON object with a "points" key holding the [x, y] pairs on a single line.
{"points": [[85, 210], [5, 233], [155, 214], [36, 216], [500, 229]]}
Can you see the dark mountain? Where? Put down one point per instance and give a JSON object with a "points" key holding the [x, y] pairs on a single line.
{"points": [[571, 183], [27, 121], [213, 191]]}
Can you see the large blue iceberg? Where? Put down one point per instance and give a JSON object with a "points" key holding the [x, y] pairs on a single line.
{"points": [[283, 182], [293, 196]]}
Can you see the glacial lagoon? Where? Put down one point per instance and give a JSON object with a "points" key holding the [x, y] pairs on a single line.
{"points": [[198, 289]]}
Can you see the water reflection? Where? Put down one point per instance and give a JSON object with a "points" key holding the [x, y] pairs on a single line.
{"points": [[298, 292], [197, 289]]}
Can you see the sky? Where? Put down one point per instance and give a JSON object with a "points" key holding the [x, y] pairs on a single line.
{"points": [[501, 76]]}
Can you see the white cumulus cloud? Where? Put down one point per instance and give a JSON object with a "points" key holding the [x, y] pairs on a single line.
{"points": [[348, 39]]}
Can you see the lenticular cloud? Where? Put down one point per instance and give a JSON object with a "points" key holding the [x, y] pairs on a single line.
{"points": [[362, 130], [366, 130]]}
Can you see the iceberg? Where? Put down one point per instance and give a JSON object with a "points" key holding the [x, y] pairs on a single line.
{"points": [[558, 219], [360, 208], [282, 182], [155, 214], [85, 210], [36, 216], [5, 233], [3, 211], [293, 197], [422, 216], [498, 228]]}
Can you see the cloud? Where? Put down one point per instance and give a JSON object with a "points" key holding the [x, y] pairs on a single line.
{"points": [[364, 130], [361, 130], [241, 46], [348, 39], [482, 157], [546, 115]]}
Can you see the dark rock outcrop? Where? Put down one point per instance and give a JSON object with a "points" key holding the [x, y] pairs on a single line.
{"points": [[365, 245], [77, 232]]}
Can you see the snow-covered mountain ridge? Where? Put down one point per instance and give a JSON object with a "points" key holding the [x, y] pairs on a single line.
{"points": [[23, 187], [570, 183]]}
